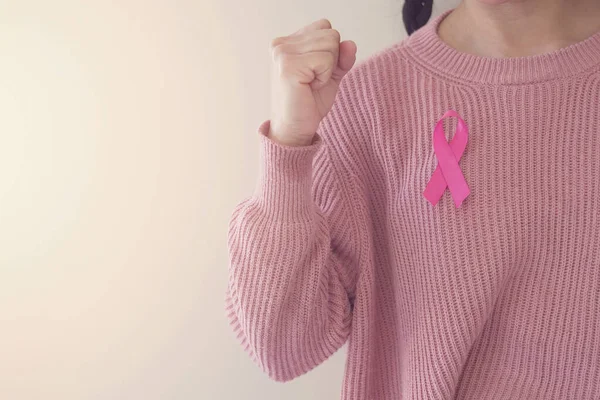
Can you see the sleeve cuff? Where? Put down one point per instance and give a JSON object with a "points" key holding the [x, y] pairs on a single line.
{"points": [[285, 178]]}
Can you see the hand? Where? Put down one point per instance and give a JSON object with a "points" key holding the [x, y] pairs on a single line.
{"points": [[309, 65]]}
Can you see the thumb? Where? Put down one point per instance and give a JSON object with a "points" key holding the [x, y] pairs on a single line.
{"points": [[346, 59]]}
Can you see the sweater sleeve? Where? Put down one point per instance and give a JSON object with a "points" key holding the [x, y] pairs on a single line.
{"points": [[294, 255]]}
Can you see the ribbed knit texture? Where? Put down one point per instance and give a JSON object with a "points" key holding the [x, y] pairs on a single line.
{"points": [[497, 299]]}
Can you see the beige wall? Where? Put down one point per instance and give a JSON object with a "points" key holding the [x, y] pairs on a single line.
{"points": [[127, 136]]}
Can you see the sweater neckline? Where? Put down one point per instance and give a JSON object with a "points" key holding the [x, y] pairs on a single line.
{"points": [[426, 46]]}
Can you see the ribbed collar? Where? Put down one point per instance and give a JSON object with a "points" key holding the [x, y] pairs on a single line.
{"points": [[427, 48]]}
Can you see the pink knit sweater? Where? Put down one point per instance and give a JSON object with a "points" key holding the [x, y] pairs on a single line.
{"points": [[496, 299]]}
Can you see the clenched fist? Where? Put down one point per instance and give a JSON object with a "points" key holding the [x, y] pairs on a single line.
{"points": [[308, 67]]}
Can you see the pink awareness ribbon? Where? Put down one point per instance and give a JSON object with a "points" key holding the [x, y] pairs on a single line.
{"points": [[448, 173]]}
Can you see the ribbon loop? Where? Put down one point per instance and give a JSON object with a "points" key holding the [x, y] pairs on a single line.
{"points": [[448, 173]]}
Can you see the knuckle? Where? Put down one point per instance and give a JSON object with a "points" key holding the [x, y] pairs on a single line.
{"points": [[275, 42], [277, 51], [336, 34], [326, 22]]}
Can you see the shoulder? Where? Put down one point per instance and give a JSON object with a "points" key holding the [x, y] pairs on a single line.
{"points": [[381, 82], [364, 87], [367, 93], [375, 86]]}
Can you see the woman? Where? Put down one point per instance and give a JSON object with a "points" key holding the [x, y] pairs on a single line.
{"points": [[459, 259]]}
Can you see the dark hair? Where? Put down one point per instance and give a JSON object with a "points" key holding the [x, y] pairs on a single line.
{"points": [[416, 13]]}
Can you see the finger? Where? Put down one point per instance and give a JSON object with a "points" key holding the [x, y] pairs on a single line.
{"points": [[321, 40], [322, 23], [309, 67], [346, 59]]}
